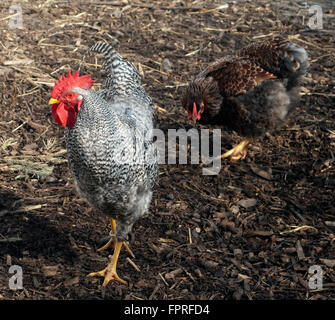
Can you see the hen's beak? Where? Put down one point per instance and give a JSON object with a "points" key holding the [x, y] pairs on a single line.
{"points": [[53, 101]]}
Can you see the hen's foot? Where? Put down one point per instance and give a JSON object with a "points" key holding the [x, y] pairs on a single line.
{"points": [[238, 152], [109, 273], [112, 240]]}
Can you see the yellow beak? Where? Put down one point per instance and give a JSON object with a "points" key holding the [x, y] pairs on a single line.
{"points": [[53, 101]]}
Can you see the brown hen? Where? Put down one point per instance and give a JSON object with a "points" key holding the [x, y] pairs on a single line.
{"points": [[251, 92]]}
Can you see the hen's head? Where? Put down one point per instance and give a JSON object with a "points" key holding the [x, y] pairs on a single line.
{"points": [[193, 101], [201, 98], [65, 102]]}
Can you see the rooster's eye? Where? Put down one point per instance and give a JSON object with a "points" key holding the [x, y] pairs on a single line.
{"points": [[69, 96]]}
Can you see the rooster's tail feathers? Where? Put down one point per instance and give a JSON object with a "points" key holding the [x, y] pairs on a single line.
{"points": [[114, 63]]}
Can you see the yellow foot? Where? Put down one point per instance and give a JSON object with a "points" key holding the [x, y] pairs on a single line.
{"points": [[238, 152], [109, 273], [112, 241]]}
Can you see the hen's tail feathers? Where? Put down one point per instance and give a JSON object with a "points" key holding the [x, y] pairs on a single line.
{"points": [[280, 101], [277, 55], [295, 61], [269, 105]]}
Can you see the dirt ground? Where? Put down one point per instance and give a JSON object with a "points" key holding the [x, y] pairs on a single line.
{"points": [[250, 232]]}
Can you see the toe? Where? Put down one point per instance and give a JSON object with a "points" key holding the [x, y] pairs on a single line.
{"points": [[113, 276], [107, 245], [97, 274], [108, 275]]}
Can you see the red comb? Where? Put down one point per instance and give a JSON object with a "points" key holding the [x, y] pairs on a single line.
{"points": [[71, 81]]}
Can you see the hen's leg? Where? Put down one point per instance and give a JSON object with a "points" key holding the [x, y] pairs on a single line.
{"points": [[109, 273], [113, 239], [239, 151]]}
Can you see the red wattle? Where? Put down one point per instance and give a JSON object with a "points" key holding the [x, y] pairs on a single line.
{"points": [[189, 114], [64, 115], [195, 112]]}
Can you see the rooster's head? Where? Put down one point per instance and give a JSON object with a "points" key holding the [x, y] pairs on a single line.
{"points": [[66, 103]]}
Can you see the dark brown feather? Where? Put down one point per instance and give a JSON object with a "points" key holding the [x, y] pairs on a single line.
{"points": [[267, 54], [236, 75]]}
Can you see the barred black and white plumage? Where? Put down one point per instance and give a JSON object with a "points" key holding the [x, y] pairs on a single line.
{"points": [[110, 150], [123, 79]]}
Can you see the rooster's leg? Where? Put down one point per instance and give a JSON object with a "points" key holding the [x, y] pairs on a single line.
{"points": [[113, 239], [109, 273], [239, 151]]}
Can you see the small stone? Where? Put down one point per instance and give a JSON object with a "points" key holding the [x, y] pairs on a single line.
{"points": [[8, 260], [71, 282], [247, 203], [328, 262], [219, 215], [166, 65], [170, 196], [50, 271], [235, 209], [50, 179], [238, 253]]}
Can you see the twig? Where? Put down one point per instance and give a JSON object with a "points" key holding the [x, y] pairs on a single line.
{"points": [[11, 239], [133, 264], [135, 5], [190, 235], [153, 69], [21, 125], [317, 94], [163, 279], [190, 275], [8, 17], [154, 291], [298, 228], [314, 45], [300, 251], [136, 297]]}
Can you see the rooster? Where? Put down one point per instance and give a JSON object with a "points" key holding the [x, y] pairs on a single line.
{"points": [[109, 139], [251, 92]]}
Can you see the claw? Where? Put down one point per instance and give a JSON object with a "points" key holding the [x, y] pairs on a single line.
{"points": [[128, 249], [109, 273]]}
